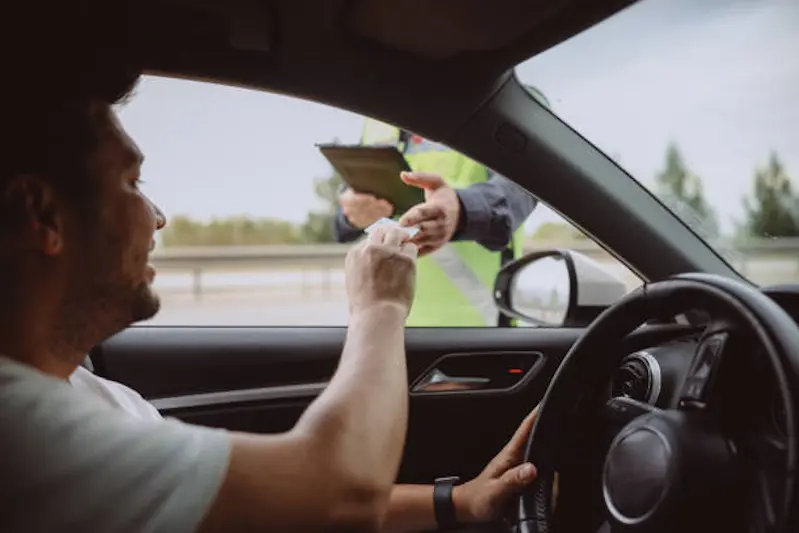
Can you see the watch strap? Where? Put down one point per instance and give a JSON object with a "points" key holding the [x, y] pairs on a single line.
{"points": [[443, 505]]}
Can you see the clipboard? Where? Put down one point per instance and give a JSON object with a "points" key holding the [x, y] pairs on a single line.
{"points": [[374, 170]]}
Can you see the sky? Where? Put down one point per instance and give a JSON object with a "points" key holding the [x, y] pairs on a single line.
{"points": [[718, 77]]}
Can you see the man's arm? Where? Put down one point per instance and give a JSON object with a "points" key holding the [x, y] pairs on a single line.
{"points": [[336, 468], [492, 210], [410, 509], [481, 500]]}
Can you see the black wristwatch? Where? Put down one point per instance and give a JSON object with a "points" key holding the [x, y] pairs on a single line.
{"points": [[442, 502]]}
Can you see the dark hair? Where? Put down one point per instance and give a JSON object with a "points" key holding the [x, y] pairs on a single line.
{"points": [[61, 57]]}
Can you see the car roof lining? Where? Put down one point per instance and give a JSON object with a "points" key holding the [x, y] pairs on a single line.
{"points": [[187, 34], [445, 28]]}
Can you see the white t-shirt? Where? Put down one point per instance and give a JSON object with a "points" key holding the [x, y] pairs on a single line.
{"points": [[114, 394], [70, 462]]}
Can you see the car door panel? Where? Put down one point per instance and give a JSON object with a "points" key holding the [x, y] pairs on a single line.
{"points": [[261, 380]]}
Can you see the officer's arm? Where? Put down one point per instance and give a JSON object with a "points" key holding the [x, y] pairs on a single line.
{"points": [[343, 231], [492, 210]]}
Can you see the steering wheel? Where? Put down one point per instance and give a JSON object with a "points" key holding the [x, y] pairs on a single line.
{"points": [[705, 462]]}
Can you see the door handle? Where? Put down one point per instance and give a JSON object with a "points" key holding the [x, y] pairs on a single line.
{"points": [[436, 380], [477, 373]]}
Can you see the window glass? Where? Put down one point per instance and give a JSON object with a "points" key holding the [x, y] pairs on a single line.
{"points": [[697, 100], [251, 203]]}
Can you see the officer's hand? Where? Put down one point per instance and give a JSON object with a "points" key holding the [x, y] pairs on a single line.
{"points": [[490, 495], [437, 218], [381, 270], [362, 209]]}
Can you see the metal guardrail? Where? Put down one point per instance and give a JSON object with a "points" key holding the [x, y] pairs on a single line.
{"points": [[244, 257], [327, 257]]}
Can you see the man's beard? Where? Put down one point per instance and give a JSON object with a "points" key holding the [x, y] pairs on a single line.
{"points": [[104, 310], [120, 303], [103, 299], [145, 303]]}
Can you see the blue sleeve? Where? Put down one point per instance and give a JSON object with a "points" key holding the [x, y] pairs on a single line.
{"points": [[492, 211], [343, 231]]}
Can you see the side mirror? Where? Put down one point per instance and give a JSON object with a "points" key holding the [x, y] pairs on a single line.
{"points": [[556, 288]]}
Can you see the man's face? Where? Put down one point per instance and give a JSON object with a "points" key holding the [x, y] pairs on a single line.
{"points": [[108, 249]]}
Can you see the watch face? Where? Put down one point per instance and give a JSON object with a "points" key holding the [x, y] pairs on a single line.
{"points": [[450, 479]]}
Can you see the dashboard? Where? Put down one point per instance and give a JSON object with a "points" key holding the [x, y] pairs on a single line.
{"points": [[666, 374]]}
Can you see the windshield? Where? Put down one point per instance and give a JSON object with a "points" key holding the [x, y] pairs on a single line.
{"points": [[699, 101]]}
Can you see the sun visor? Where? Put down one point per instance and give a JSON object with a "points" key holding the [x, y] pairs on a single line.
{"points": [[442, 29]]}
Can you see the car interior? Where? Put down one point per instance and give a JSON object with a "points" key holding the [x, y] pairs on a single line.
{"points": [[671, 408]]}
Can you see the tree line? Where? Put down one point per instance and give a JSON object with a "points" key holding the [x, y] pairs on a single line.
{"points": [[249, 231], [771, 209]]}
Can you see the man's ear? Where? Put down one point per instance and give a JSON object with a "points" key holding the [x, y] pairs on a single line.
{"points": [[34, 212]]}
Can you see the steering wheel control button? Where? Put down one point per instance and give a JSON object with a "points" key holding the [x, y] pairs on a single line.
{"points": [[703, 369], [623, 410], [637, 475]]}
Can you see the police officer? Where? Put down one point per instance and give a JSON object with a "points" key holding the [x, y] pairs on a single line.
{"points": [[470, 225]]}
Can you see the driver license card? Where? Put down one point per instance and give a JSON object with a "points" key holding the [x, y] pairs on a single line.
{"points": [[412, 231]]}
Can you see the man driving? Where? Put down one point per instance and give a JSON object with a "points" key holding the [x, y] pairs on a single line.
{"points": [[75, 235]]}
